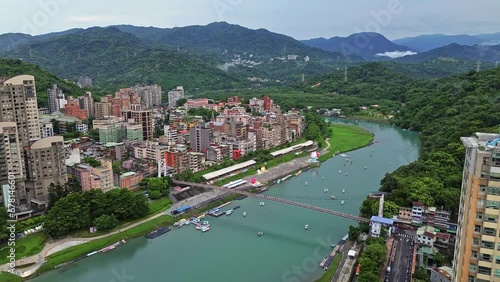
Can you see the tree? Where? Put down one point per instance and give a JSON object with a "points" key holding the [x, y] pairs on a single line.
{"points": [[421, 274], [92, 161], [353, 233], [106, 222], [376, 252], [58, 191], [366, 276], [154, 195], [55, 126], [4, 216], [181, 102], [94, 134]]}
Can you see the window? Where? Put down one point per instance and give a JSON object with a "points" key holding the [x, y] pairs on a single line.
{"points": [[487, 245], [491, 218], [473, 267], [489, 231], [497, 273], [484, 270], [473, 254], [475, 241], [485, 257], [494, 191], [497, 260], [477, 228], [480, 203], [479, 215], [493, 205]]}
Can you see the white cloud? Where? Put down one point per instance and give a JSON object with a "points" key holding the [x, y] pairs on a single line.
{"points": [[92, 19], [396, 54]]}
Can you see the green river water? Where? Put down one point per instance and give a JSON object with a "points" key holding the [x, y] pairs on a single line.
{"points": [[231, 251]]}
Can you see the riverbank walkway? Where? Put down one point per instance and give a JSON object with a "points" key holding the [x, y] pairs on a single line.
{"points": [[54, 246]]}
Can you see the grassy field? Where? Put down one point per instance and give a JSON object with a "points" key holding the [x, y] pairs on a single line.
{"points": [[25, 247], [83, 249], [330, 273], [159, 205], [8, 277], [155, 207], [346, 138]]}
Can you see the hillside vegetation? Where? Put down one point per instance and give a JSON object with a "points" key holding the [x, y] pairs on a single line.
{"points": [[43, 79]]}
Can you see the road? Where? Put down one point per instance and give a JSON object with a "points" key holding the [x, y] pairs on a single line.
{"points": [[401, 262]]}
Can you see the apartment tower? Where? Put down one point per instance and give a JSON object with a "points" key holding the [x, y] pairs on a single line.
{"points": [[477, 245]]}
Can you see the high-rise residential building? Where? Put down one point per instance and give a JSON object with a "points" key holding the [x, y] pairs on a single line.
{"points": [[174, 96], [11, 163], [56, 98], [85, 81], [477, 242], [150, 95], [19, 105], [87, 103], [142, 117], [200, 138], [102, 109], [46, 165]]}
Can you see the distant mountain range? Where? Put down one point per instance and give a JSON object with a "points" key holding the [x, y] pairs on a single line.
{"points": [[425, 43], [369, 45], [483, 53], [225, 56], [228, 39]]}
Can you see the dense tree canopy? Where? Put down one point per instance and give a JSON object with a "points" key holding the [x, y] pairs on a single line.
{"points": [[81, 210]]}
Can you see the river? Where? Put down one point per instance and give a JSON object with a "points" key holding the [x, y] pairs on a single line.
{"points": [[231, 251]]}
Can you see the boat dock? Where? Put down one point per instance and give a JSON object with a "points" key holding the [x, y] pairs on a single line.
{"points": [[328, 260]]}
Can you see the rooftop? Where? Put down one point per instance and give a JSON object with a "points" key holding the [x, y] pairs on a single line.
{"points": [[130, 173], [292, 148], [382, 220], [224, 171]]}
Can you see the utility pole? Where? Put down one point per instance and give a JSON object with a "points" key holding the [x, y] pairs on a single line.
{"points": [[345, 74]]}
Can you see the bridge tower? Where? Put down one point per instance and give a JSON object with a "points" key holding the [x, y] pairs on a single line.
{"points": [[162, 168], [381, 206]]}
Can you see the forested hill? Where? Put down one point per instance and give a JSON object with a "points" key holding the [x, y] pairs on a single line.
{"points": [[116, 59], [43, 79], [371, 80], [227, 39], [443, 110]]}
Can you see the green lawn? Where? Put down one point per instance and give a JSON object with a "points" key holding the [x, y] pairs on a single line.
{"points": [[155, 207], [25, 247], [83, 249], [159, 205], [346, 138], [8, 277], [330, 273]]}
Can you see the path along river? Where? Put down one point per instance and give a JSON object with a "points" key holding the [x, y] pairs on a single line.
{"points": [[231, 251]]}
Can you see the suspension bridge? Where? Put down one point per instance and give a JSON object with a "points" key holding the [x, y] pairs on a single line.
{"points": [[273, 199]]}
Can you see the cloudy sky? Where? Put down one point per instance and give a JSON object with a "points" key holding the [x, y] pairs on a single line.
{"points": [[297, 18]]}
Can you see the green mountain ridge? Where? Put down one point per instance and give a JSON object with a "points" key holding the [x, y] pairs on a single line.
{"points": [[114, 59]]}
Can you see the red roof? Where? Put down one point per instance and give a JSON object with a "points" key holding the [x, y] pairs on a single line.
{"points": [[417, 204], [183, 131], [443, 236], [428, 234]]}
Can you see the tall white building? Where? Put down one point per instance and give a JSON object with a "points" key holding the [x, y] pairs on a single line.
{"points": [[175, 95], [56, 98], [150, 95]]}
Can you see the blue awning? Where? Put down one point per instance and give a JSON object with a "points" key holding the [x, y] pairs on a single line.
{"points": [[382, 220]]}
